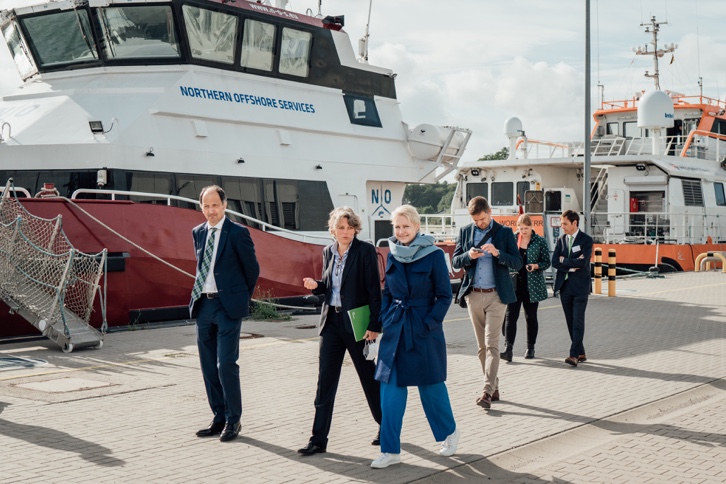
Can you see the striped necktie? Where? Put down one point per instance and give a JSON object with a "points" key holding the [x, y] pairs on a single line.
{"points": [[206, 262], [570, 238]]}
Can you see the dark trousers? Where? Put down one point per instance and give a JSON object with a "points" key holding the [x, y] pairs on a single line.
{"points": [[574, 306], [530, 316], [334, 341], [218, 343]]}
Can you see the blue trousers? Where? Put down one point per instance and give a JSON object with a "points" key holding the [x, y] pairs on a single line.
{"points": [[218, 343], [574, 305], [436, 405]]}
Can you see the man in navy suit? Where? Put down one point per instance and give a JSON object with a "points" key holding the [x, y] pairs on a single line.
{"points": [[227, 272], [487, 250], [571, 259]]}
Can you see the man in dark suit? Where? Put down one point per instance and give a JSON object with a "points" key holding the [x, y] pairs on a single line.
{"points": [[227, 272], [487, 251], [350, 280], [571, 259]]}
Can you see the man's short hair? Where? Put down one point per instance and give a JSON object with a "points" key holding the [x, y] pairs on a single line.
{"points": [[220, 192], [478, 205], [572, 216]]}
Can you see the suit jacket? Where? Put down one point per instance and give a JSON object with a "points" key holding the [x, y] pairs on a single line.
{"points": [[508, 258], [235, 267], [579, 282], [360, 285]]}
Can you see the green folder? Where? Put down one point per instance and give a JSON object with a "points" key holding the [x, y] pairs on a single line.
{"points": [[359, 318]]}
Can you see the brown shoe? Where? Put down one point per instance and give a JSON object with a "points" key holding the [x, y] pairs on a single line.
{"points": [[485, 401], [495, 396], [571, 360], [581, 358]]}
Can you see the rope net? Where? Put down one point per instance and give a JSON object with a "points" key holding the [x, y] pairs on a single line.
{"points": [[40, 270]]}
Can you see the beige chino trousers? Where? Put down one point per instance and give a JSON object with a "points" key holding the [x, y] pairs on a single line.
{"points": [[487, 312]]}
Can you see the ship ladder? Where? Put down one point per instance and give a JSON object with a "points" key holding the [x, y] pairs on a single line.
{"points": [[45, 280]]}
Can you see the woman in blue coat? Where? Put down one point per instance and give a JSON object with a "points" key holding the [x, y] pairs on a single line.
{"points": [[412, 351]]}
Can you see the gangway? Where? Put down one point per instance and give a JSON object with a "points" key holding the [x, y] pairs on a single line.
{"points": [[45, 280]]}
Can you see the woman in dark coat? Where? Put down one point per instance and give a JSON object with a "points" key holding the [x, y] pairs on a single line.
{"points": [[350, 280], [531, 287], [416, 297]]}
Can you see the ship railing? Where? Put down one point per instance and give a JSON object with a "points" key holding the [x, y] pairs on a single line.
{"points": [[704, 145], [657, 227], [251, 221], [440, 226], [677, 97]]}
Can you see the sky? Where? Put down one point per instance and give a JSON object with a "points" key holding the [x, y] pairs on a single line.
{"points": [[476, 63]]}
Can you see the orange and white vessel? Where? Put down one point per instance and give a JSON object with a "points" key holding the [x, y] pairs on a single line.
{"points": [[657, 177]]}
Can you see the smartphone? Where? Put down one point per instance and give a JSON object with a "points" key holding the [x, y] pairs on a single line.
{"points": [[529, 268], [477, 249]]}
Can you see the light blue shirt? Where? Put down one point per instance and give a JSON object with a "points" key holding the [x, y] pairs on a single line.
{"points": [[338, 266], [484, 270]]}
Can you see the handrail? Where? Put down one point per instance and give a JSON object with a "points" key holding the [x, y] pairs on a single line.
{"points": [[270, 228], [699, 132]]}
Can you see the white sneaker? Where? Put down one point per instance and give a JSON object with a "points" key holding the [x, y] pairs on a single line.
{"points": [[448, 446], [385, 460]]}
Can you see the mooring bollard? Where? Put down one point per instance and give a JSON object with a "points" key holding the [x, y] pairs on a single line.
{"points": [[611, 273], [598, 270]]}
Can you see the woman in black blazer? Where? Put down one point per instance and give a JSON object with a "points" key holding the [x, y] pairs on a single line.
{"points": [[350, 280]]}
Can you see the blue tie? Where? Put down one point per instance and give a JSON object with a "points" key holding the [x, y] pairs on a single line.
{"points": [[204, 270]]}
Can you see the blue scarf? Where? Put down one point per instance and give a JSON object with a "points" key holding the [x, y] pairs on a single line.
{"points": [[420, 247]]}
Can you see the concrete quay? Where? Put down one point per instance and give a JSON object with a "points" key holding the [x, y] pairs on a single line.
{"points": [[648, 406]]}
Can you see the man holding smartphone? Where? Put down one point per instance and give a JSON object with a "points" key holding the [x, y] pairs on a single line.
{"points": [[487, 251]]}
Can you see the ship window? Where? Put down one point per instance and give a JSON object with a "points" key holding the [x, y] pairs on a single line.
{"points": [[61, 38], [692, 193], [522, 188], [476, 190], [138, 32], [211, 34], [362, 110], [258, 43], [139, 181], [190, 186], [19, 51], [613, 129], [502, 194], [720, 197], [631, 130], [295, 52]]}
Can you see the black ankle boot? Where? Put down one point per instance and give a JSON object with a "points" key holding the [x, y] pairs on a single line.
{"points": [[507, 354], [530, 352]]}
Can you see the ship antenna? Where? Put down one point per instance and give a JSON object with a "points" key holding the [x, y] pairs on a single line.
{"points": [[653, 28], [363, 42]]}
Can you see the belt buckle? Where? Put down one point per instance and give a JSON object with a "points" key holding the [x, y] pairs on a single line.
{"points": [[337, 309], [210, 295]]}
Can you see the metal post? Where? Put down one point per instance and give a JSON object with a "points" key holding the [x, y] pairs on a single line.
{"points": [[586, 196], [611, 273], [598, 270]]}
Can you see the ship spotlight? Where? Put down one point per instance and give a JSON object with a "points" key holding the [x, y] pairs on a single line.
{"points": [[474, 172], [318, 167], [240, 160], [334, 20], [150, 152], [96, 126], [641, 167]]}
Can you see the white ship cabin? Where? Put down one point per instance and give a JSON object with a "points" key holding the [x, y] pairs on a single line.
{"points": [[163, 98], [658, 173]]}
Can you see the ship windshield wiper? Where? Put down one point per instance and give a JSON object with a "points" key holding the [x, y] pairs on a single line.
{"points": [[89, 44]]}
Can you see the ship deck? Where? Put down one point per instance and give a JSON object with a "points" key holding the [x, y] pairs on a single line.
{"points": [[647, 406]]}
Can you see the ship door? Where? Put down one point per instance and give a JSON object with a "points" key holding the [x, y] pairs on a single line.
{"points": [[382, 230], [533, 201]]}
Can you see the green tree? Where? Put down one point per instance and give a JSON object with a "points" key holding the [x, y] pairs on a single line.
{"points": [[502, 154], [433, 198]]}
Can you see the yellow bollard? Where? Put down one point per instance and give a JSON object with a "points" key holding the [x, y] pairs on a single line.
{"points": [[611, 273], [598, 270]]}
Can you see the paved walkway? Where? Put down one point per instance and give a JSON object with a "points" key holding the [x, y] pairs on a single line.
{"points": [[649, 406]]}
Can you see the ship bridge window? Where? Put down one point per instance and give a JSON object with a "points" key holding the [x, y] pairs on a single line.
{"points": [[138, 32], [258, 44], [613, 129], [502, 194], [720, 197], [19, 50], [476, 190], [211, 34], [631, 130], [362, 110], [61, 38], [295, 52]]}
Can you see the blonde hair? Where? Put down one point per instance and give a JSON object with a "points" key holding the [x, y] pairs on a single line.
{"points": [[346, 213], [408, 211], [525, 219]]}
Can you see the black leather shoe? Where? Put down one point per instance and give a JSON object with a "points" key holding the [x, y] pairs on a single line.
{"points": [[215, 428], [529, 354], [311, 449], [507, 354], [377, 440], [230, 432]]}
